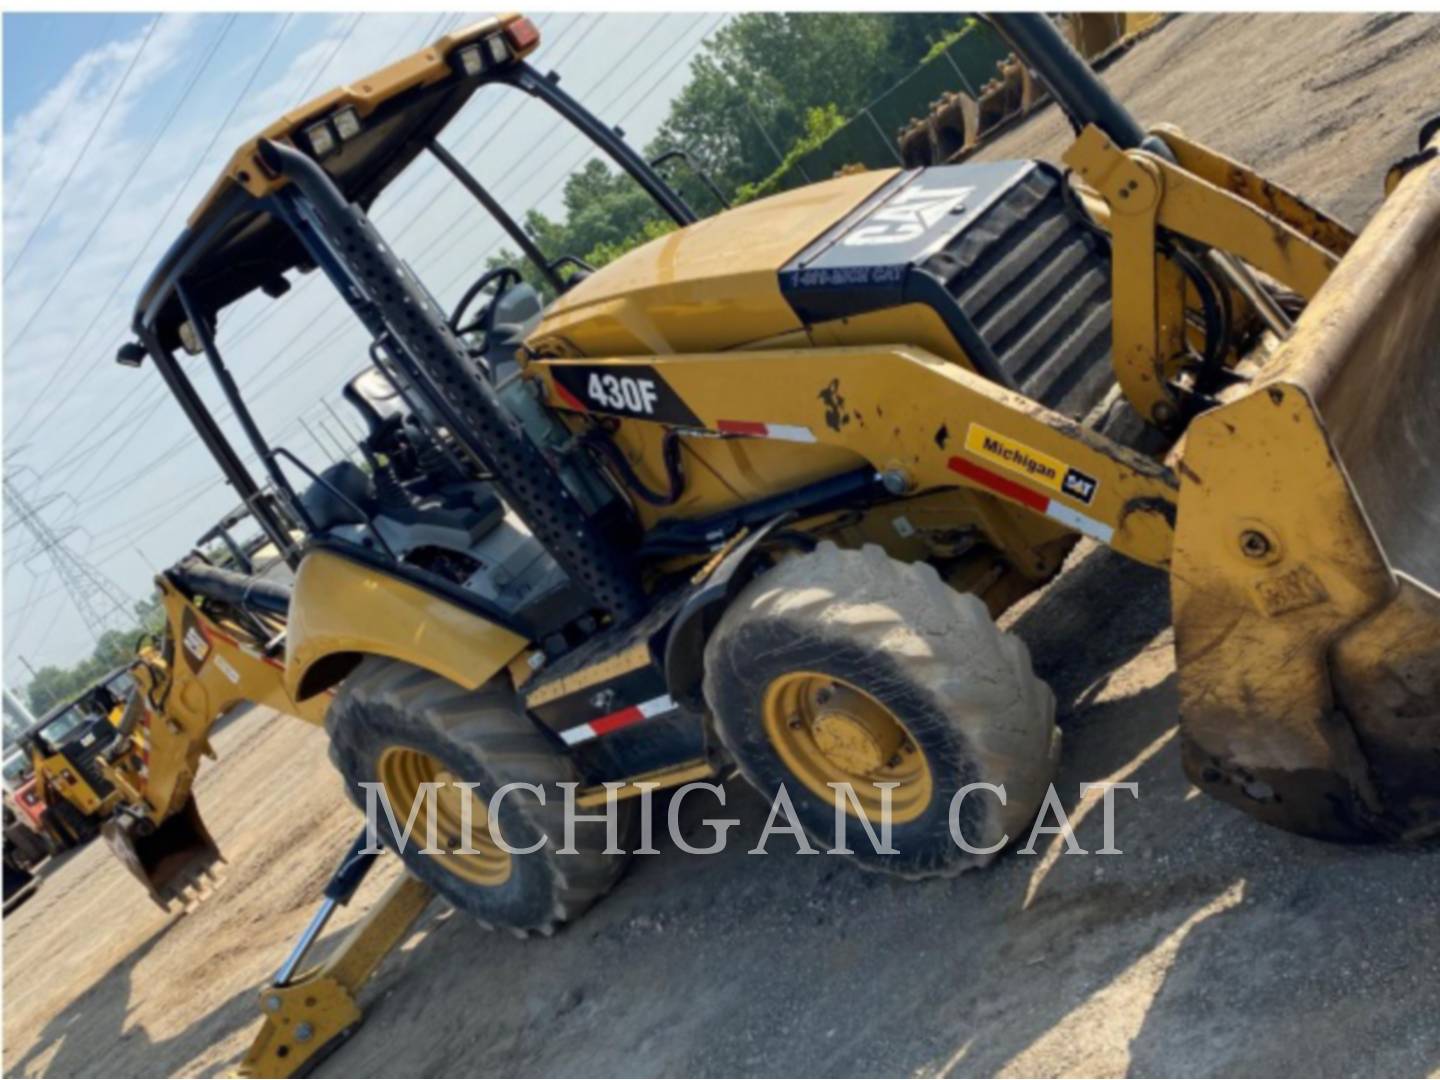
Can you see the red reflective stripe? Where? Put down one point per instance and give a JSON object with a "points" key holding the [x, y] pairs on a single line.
{"points": [[629, 715], [1001, 485], [566, 396], [741, 427]]}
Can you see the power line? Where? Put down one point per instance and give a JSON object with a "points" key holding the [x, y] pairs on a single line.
{"points": [[17, 188], [281, 354], [84, 150], [104, 217], [77, 457], [450, 228], [305, 94], [164, 215], [100, 602], [567, 172]]}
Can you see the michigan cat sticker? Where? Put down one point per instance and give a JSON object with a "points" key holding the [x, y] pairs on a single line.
{"points": [[1034, 465]]}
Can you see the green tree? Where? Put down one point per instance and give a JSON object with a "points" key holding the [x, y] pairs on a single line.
{"points": [[53, 685], [764, 89]]}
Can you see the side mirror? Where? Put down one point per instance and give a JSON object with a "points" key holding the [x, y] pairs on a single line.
{"points": [[132, 354]]}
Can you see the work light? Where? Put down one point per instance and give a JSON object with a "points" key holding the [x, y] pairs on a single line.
{"points": [[470, 60], [321, 137], [347, 124]]}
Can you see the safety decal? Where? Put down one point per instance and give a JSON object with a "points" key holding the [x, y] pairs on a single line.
{"points": [[226, 670], [635, 390], [1033, 464], [195, 646], [783, 432], [631, 714], [1043, 504]]}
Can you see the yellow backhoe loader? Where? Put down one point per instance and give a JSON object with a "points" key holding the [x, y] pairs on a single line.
{"points": [[753, 494], [66, 749], [220, 649]]}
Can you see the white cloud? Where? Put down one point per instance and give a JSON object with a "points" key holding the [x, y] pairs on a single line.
{"points": [[597, 64]]}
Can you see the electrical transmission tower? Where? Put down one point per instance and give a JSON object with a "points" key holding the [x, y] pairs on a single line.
{"points": [[101, 603]]}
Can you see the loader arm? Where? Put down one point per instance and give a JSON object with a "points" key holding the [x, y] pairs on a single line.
{"points": [[922, 421], [210, 664]]}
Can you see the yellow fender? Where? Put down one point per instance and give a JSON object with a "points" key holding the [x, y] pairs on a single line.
{"points": [[342, 611]]}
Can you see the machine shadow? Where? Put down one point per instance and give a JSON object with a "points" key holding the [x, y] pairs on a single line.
{"points": [[96, 1019]]}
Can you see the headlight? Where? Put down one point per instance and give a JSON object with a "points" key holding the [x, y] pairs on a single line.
{"points": [[321, 138], [480, 56], [470, 61], [190, 340], [347, 124]]}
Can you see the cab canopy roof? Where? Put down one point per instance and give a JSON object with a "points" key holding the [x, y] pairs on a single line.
{"points": [[363, 134]]}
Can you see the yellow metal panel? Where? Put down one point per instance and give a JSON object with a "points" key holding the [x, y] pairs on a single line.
{"points": [[429, 65], [712, 284], [908, 410], [309, 1016], [1309, 669], [634, 658], [1223, 172], [651, 781], [343, 607]]}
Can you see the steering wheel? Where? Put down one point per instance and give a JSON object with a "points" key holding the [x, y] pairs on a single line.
{"points": [[502, 277]]}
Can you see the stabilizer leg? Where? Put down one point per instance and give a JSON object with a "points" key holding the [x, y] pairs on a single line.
{"points": [[307, 1015]]}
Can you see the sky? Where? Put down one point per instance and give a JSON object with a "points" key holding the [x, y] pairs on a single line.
{"points": [[114, 128]]}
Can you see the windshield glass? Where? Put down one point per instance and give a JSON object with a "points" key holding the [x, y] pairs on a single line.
{"points": [[121, 685], [17, 766], [76, 716], [515, 183]]}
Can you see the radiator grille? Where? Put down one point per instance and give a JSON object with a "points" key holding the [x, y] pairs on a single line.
{"points": [[1035, 282]]}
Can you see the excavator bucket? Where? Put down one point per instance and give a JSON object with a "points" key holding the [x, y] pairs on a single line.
{"points": [[1307, 553], [172, 860]]}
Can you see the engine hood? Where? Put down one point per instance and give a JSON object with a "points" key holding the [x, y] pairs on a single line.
{"points": [[710, 286], [823, 252]]}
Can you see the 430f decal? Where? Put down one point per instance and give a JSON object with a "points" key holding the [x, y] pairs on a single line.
{"points": [[621, 390]]}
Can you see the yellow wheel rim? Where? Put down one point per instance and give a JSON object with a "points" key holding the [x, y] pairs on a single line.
{"points": [[482, 862], [829, 731]]}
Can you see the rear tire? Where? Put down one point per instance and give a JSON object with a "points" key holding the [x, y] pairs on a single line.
{"points": [[391, 719], [881, 637]]}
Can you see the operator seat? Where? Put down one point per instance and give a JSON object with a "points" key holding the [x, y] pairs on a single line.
{"points": [[325, 505], [517, 313]]}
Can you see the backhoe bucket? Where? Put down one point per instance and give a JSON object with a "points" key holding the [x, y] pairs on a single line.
{"points": [[1307, 554], [172, 859]]}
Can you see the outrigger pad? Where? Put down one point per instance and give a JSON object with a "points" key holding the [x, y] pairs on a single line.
{"points": [[170, 861]]}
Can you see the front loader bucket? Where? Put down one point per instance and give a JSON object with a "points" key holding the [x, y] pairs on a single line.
{"points": [[1307, 554], [169, 860]]}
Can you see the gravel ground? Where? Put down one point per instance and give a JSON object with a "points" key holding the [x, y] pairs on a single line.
{"points": [[1212, 946]]}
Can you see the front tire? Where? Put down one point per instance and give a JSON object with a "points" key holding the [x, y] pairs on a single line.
{"points": [[844, 666], [399, 726]]}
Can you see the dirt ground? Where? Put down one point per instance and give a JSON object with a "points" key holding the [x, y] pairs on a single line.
{"points": [[1211, 946]]}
